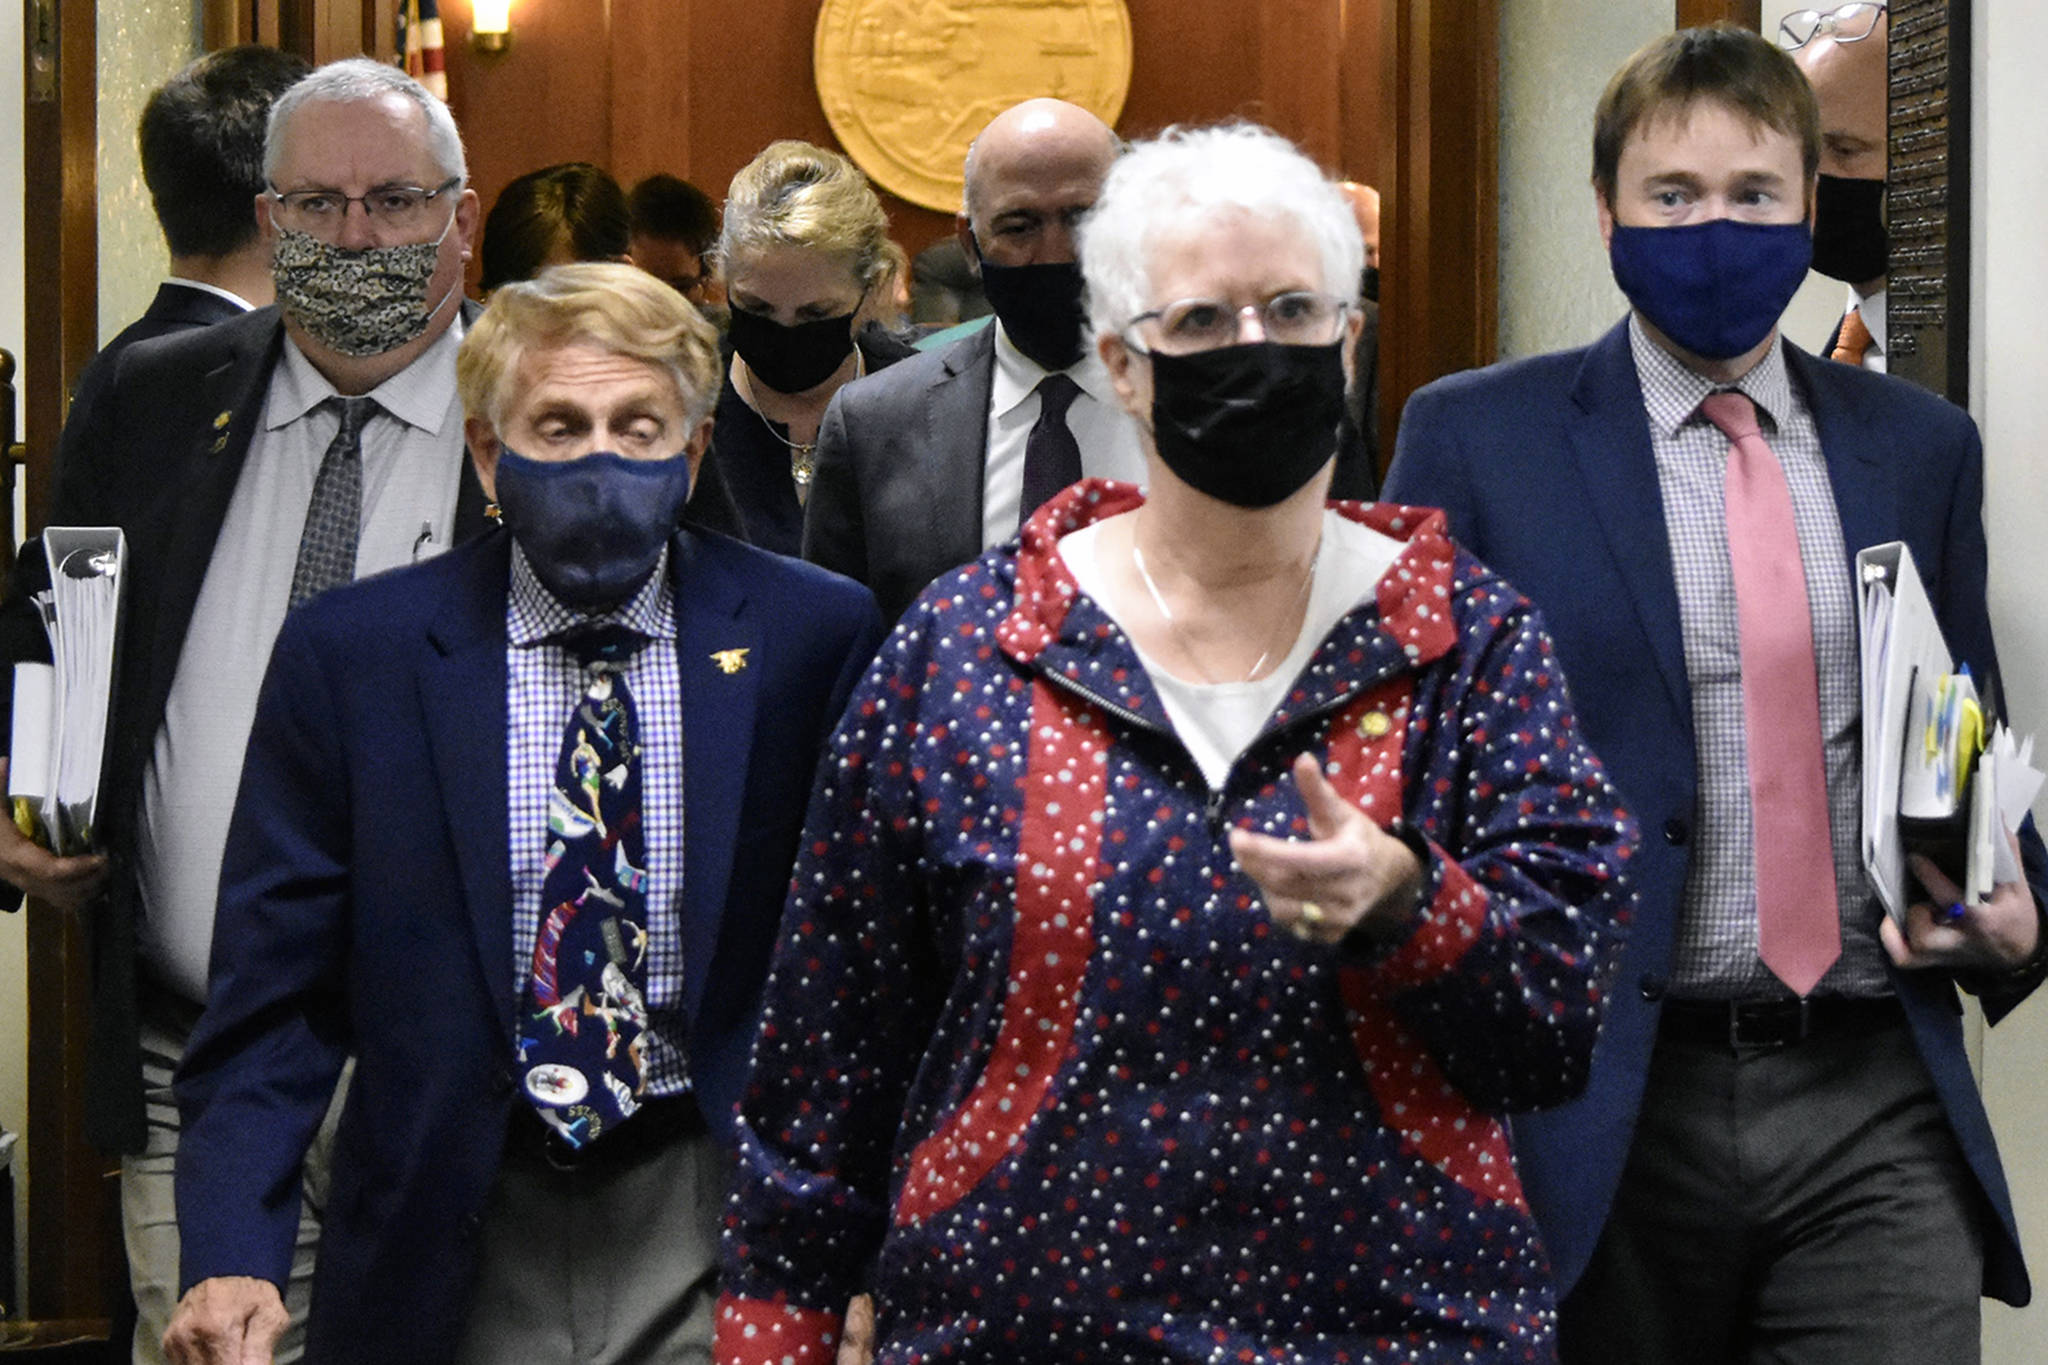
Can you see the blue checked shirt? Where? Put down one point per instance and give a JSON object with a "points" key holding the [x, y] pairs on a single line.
{"points": [[1717, 940], [543, 683]]}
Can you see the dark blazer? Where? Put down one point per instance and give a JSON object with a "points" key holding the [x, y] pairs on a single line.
{"points": [[158, 454], [897, 498], [366, 910], [1545, 468]]}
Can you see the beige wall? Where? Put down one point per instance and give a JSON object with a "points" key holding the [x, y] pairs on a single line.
{"points": [[140, 43], [2009, 358], [1555, 56]]}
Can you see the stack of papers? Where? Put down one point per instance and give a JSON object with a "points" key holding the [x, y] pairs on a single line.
{"points": [[59, 736], [1941, 776]]}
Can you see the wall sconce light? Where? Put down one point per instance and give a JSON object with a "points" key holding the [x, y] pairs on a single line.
{"points": [[490, 29]]}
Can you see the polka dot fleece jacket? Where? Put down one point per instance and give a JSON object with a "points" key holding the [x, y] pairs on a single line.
{"points": [[1037, 1068]]}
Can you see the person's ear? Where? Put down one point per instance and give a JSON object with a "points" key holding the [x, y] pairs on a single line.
{"points": [[696, 446], [484, 448], [1121, 362], [468, 211], [963, 233], [1604, 214]]}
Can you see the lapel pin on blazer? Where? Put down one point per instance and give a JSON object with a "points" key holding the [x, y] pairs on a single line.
{"points": [[729, 660], [220, 424]]}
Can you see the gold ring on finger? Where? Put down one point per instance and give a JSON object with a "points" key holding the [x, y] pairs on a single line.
{"points": [[1312, 915]]}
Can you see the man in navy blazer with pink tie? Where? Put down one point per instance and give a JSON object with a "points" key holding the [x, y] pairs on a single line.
{"points": [[1771, 1160]]}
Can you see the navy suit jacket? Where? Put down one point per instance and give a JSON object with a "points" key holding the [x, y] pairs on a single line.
{"points": [[1545, 469], [366, 909]]}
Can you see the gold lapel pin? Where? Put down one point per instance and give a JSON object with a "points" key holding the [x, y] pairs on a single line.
{"points": [[221, 419], [729, 660], [1373, 724]]}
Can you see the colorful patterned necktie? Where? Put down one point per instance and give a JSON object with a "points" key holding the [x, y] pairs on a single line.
{"points": [[585, 1004], [1799, 927], [327, 545], [1052, 457]]}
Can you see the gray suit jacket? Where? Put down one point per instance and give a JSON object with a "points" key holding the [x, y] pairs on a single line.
{"points": [[896, 500], [897, 497]]}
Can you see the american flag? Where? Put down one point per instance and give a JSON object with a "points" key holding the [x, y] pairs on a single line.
{"points": [[419, 38]]}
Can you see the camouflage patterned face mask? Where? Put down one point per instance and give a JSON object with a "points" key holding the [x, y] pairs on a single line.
{"points": [[358, 302]]}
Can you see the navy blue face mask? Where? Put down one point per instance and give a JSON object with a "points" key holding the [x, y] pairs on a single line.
{"points": [[1715, 288], [593, 527]]}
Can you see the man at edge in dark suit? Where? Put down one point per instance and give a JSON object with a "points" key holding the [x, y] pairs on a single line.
{"points": [[201, 139], [1781, 1153], [514, 831], [251, 464]]}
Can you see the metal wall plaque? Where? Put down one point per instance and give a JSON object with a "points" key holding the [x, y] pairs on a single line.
{"points": [[1927, 198], [906, 84]]}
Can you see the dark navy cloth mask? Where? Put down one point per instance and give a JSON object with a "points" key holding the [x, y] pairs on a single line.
{"points": [[1715, 288], [592, 528]]}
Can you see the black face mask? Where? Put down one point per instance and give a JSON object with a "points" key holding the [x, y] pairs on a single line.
{"points": [[1248, 424], [792, 359], [1849, 240], [1370, 285], [1040, 306]]}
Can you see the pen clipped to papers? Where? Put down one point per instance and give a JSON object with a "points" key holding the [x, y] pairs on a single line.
{"points": [[59, 735], [1941, 776]]}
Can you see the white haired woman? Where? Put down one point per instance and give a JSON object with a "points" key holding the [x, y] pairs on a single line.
{"points": [[1192, 886]]}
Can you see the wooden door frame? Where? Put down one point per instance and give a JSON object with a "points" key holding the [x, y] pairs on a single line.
{"points": [[1440, 215], [70, 1191]]}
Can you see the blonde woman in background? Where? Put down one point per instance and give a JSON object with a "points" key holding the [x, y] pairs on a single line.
{"points": [[806, 258]]}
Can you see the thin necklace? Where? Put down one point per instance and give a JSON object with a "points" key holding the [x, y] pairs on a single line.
{"points": [[803, 456], [1186, 645]]}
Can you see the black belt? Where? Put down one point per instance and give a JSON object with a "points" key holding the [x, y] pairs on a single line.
{"points": [[656, 1125], [1737, 1024]]}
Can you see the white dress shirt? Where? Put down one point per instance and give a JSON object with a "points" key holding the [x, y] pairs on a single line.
{"points": [[1107, 436]]}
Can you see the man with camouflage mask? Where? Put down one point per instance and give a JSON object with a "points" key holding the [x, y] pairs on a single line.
{"points": [[251, 464]]}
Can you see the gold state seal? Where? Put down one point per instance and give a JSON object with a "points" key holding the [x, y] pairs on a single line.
{"points": [[906, 84]]}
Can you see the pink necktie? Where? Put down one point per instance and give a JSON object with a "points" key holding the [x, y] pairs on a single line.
{"points": [[1799, 930]]}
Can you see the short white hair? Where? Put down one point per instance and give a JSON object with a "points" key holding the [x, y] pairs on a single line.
{"points": [[1187, 178], [363, 78]]}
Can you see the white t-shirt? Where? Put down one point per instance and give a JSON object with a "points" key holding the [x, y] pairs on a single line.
{"points": [[1218, 721]]}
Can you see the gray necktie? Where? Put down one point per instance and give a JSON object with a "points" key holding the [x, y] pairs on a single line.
{"points": [[327, 547]]}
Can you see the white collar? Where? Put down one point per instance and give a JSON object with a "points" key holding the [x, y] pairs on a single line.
{"points": [[203, 287], [1017, 375], [1872, 309], [417, 395]]}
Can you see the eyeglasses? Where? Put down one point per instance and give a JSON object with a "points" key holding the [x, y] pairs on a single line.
{"points": [[399, 208], [1849, 24], [1296, 318]]}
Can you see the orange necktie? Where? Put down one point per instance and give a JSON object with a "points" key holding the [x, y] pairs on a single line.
{"points": [[1853, 341]]}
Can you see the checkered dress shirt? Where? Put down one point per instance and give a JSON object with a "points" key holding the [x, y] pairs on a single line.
{"points": [[543, 681], [1717, 939]]}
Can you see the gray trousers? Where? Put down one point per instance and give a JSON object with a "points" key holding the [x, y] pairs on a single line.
{"points": [[1799, 1206], [149, 1213], [611, 1264]]}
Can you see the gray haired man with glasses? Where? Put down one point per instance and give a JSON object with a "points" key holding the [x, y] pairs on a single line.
{"points": [[252, 465]]}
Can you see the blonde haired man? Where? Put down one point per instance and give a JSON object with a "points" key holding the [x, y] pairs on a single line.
{"points": [[459, 854]]}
